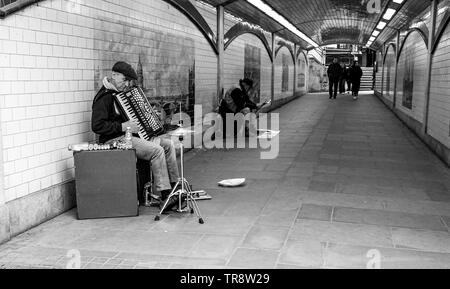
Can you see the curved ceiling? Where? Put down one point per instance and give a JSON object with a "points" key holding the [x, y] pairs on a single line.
{"points": [[328, 21]]}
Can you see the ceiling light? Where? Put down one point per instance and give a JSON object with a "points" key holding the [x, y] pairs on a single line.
{"points": [[389, 14], [381, 25], [398, 1], [280, 19]]}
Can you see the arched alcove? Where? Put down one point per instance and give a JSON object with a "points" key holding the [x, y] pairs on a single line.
{"points": [[389, 73], [246, 56], [284, 74], [411, 75], [379, 72], [302, 73]]}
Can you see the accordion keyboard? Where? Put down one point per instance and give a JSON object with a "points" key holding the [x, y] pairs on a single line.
{"points": [[138, 109]]}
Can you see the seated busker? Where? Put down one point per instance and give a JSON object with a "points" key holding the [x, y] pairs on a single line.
{"points": [[237, 100], [110, 124]]}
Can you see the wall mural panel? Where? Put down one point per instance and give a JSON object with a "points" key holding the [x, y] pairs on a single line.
{"points": [[318, 80], [285, 73], [301, 71], [379, 72], [252, 70], [406, 90], [164, 62], [411, 78], [389, 74]]}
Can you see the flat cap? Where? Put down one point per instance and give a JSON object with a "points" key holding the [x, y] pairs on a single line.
{"points": [[125, 69]]}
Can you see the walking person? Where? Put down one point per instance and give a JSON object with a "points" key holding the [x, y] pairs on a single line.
{"points": [[334, 73], [355, 76], [348, 79], [342, 80]]}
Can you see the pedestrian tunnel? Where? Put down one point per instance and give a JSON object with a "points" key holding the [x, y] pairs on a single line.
{"points": [[54, 55]]}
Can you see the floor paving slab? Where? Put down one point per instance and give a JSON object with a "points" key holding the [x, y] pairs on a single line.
{"points": [[304, 253], [342, 233], [422, 240], [386, 218], [315, 212], [254, 258], [266, 237]]}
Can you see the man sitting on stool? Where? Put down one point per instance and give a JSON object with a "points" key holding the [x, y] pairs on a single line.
{"points": [[110, 124], [237, 100]]}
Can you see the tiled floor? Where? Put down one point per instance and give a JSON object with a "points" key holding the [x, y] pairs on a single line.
{"points": [[351, 186]]}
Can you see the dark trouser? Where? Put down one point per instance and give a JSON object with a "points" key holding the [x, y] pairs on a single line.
{"points": [[355, 87], [349, 85], [342, 85], [334, 83]]}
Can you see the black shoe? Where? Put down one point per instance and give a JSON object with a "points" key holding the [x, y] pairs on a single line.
{"points": [[172, 203], [183, 203]]}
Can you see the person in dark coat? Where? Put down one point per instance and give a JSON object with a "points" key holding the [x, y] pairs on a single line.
{"points": [[355, 77], [334, 73], [236, 100], [342, 80]]}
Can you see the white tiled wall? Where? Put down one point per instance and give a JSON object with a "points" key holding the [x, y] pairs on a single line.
{"points": [[47, 60], [419, 62], [439, 114]]}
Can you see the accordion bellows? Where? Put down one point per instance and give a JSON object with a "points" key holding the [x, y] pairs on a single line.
{"points": [[137, 108]]}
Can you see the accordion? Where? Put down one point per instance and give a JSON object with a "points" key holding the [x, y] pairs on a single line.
{"points": [[137, 108]]}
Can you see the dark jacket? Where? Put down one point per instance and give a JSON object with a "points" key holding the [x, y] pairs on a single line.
{"points": [[105, 120], [241, 101], [355, 74], [346, 73], [334, 71]]}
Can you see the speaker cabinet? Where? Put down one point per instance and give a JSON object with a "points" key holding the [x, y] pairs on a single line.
{"points": [[106, 184]]}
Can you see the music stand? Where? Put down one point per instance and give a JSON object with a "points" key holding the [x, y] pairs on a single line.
{"points": [[185, 189]]}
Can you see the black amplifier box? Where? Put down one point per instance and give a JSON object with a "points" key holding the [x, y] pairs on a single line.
{"points": [[106, 184]]}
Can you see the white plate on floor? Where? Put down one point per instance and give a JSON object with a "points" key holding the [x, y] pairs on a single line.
{"points": [[232, 183]]}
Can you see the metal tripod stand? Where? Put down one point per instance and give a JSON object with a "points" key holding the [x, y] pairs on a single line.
{"points": [[182, 188]]}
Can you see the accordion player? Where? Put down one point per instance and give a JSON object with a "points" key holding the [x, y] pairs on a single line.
{"points": [[119, 104], [135, 105]]}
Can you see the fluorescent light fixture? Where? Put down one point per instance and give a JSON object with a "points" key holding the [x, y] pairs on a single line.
{"points": [[389, 14], [280, 19], [316, 55], [381, 25]]}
